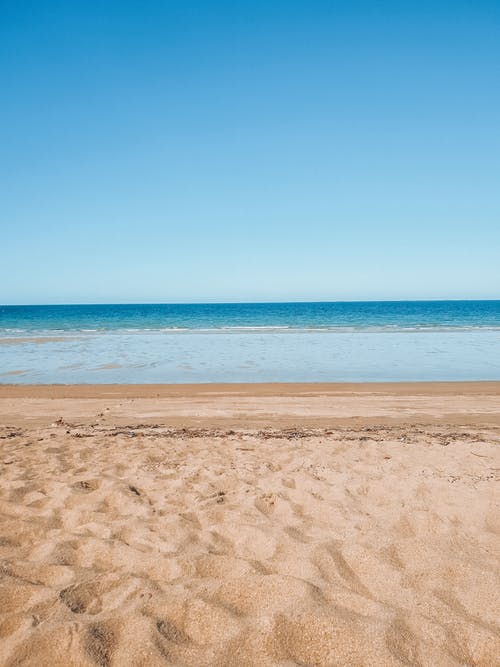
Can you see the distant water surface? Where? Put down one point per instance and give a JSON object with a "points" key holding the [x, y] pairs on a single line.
{"points": [[260, 342]]}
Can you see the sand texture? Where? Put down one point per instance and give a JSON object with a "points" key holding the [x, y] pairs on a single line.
{"points": [[266, 525]]}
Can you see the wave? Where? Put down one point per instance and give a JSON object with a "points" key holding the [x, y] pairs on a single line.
{"points": [[232, 330]]}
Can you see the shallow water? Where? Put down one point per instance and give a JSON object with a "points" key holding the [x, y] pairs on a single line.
{"points": [[399, 341]]}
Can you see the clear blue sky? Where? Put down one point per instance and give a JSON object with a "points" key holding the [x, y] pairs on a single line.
{"points": [[226, 151]]}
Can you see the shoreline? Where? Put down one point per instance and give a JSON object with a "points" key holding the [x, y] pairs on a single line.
{"points": [[307, 405], [143, 390]]}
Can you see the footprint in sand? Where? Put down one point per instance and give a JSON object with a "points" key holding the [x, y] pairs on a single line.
{"points": [[87, 485]]}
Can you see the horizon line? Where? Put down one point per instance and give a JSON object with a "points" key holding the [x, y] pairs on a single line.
{"points": [[228, 303]]}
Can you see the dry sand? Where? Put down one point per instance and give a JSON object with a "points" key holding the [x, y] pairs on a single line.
{"points": [[250, 525]]}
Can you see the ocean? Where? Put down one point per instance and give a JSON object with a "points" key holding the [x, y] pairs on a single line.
{"points": [[251, 342]]}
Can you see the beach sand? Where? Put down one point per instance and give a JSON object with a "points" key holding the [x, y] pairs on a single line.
{"points": [[250, 525]]}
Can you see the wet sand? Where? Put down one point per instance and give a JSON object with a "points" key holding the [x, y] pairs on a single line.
{"points": [[250, 524], [39, 340]]}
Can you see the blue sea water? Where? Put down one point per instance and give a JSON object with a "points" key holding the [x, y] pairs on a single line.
{"points": [[251, 342]]}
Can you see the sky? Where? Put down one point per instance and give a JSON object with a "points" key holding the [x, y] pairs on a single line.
{"points": [[184, 151]]}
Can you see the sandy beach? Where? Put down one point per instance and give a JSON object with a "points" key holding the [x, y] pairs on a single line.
{"points": [[299, 524]]}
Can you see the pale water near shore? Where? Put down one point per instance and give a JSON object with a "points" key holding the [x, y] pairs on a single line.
{"points": [[385, 341]]}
